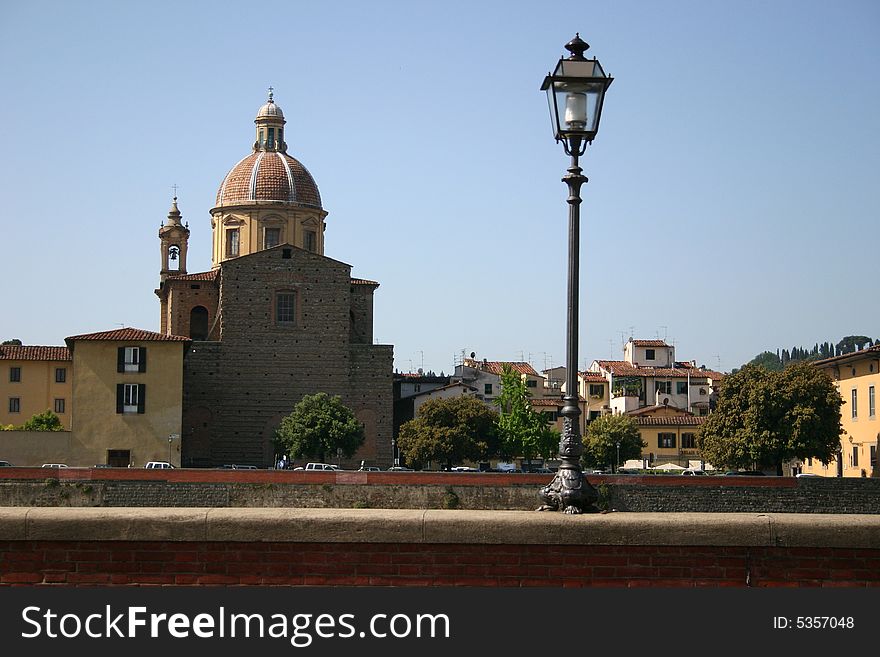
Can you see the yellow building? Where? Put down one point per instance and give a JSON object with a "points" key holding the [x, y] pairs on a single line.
{"points": [[670, 434], [857, 376], [34, 379], [128, 394]]}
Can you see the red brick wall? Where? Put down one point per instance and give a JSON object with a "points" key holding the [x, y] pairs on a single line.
{"points": [[111, 563]]}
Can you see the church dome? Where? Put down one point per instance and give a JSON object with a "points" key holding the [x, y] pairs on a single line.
{"points": [[269, 173], [269, 176]]}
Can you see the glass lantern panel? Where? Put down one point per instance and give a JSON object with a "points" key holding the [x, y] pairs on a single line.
{"points": [[578, 69], [577, 106]]}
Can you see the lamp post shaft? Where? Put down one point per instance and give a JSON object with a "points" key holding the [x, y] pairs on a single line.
{"points": [[570, 491]]}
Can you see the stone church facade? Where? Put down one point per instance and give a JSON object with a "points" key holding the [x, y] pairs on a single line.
{"points": [[274, 319]]}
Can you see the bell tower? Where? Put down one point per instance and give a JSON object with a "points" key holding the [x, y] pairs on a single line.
{"points": [[173, 239]]}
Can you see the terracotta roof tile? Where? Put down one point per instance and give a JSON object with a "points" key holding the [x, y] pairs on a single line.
{"points": [[869, 351], [650, 343], [676, 421], [30, 352], [269, 176], [129, 335], [363, 281], [623, 368], [592, 377], [200, 276], [494, 366]]}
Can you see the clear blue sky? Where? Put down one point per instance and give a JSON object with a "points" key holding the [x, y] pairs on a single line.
{"points": [[732, 203]]}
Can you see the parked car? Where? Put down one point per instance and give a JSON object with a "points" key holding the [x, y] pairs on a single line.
{"points": [[237, 466], [463, 468], [399, 468], [319, 466], [54, 465], [807, 474], [744, 473], [5, 464], [159, 465], [369, 468], [694, 472]]}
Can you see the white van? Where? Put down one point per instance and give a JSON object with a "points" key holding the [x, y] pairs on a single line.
{"points": [[162, 465], [320, 466]]}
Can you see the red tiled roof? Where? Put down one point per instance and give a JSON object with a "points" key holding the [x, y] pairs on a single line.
{"points": [[29, 352], [269, 176], [677, 421], [363, 281], [623, 368], [129, 335], [494, 366], [549, 401], [593, 377], [201, 276], [650, 343]]}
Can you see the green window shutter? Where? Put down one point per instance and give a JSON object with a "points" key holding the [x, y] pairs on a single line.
{"points": [[142, 397], [120, 397], [120, 359], [142, 362]]}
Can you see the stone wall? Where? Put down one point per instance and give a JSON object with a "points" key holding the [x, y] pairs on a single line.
{"points": [[243, 385], [391, 490]]}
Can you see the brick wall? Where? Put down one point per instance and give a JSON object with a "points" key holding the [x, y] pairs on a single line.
{"points": [[79, 563], [451, 548]]}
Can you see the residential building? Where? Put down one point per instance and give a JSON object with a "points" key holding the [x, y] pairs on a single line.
{"points": [[670, 435], [485, 376], [34, 379], [128, 397], [857, 377], [649, 376]]}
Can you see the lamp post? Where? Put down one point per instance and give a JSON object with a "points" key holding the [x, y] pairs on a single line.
{"points": [[618, 458], [575, 92]]}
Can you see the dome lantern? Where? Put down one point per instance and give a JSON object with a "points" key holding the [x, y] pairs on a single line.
{"points": [[270, 127]]}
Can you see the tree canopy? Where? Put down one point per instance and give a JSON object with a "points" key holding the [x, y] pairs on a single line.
{"points": [[320, 425], [450, 431], [764, 418], [522, 430], [45, 421], [603, 435]]}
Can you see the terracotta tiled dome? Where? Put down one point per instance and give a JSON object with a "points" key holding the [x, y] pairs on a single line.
{"points": [[269, 176]]}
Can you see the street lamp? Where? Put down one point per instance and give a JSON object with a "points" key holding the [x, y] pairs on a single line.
{"points": [[575, 92], [618, 457]]}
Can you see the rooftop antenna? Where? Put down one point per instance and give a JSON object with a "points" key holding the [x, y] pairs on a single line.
{"points": [[665, 332], [423, 358]]}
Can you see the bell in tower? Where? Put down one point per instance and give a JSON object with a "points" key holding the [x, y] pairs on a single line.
{"points": [[173, 238]]}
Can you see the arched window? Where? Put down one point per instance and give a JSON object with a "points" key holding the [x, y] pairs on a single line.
{"points": [[198, 323], [173, 263]]}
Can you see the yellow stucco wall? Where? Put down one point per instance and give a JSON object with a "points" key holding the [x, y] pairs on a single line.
{"points": [[859, 432], [37, 390], [677, 454], [97, 427]]}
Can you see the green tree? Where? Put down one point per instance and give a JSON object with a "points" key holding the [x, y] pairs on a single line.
{"points": [[765, 418], [768, 360], [45, 421], [14, 342], [320, 425], [604, 434], [450, 431], [523, 431]]}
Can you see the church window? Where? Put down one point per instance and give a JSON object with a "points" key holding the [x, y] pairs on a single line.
{"points": [[271, 237], [310, 240], [59, 406], [285, 307], [232, 243], [262, 137], [271, 143]]}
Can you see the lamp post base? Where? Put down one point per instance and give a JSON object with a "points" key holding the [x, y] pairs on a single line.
{"points": [[569, 492]]}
